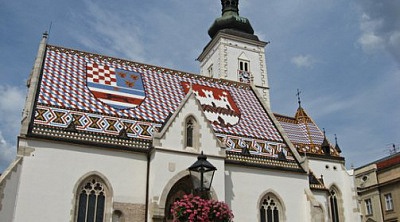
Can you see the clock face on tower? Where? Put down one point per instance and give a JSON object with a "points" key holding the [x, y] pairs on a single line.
{"points": [[244, 76]]}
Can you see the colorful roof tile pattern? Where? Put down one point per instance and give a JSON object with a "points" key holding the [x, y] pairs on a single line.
{"points": [[93, 94], [304, 133], [217, 104]]}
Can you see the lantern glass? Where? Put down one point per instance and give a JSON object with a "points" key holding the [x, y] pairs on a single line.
{"points": [[195, 177], [208, 178], [202, 173]]}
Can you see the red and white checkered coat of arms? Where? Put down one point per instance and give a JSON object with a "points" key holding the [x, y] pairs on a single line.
{"points": [[121, 89]]}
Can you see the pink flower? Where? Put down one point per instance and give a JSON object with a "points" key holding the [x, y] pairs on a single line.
{"points": [[194, 208]]}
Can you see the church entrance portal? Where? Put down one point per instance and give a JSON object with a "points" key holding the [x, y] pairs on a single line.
{"points": [[180, 188]]}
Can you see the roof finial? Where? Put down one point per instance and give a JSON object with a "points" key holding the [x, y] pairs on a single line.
{"points": [[231, 6], [45, 34], [298, 97], [325, 144], [337, 145]]}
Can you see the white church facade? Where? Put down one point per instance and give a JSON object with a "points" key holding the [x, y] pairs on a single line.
{"points": [[107, 139]]}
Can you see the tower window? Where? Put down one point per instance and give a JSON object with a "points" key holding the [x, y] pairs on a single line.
{"points": [[244, 65], [210, 71], [244, 71]]}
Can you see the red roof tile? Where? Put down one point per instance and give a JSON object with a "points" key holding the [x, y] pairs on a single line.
{"points": [[391, 161]]}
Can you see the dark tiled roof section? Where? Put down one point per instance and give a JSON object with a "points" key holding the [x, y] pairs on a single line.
{"points": [[316, 183]]}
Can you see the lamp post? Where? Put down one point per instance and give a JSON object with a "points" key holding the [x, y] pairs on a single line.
{"points": [[203, 170]]}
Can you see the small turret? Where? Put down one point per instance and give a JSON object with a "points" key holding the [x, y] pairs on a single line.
{"points": [[337, 148], [326, 147], [301, 114]]}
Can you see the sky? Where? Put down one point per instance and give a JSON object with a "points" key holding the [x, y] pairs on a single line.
{"points": [[344, 56]]}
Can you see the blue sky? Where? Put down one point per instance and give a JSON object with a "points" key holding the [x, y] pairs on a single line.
{"points": [[343, 55]]}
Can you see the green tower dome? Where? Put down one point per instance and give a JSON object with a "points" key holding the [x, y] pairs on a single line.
{"points": [[230, 20]]}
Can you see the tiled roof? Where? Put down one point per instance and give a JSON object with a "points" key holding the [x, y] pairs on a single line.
{"points": [[388, 162], [66, 103], [304, 133]]}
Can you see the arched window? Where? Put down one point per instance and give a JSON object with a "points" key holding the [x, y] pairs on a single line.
{"points": [[270, 209], [244, 73], [191, 138], [189, 132], [334, 206], [92, 194]]}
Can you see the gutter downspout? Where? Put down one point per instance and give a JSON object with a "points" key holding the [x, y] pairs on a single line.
{"points": [[147, 183]]}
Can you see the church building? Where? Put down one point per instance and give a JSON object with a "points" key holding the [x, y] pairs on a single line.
{"points": [[109, 139]]}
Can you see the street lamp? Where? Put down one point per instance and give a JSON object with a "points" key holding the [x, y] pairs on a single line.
{"points": [[203, 170]]}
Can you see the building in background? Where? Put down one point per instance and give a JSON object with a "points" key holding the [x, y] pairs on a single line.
{"points": [[107, 139], [378, 187]]}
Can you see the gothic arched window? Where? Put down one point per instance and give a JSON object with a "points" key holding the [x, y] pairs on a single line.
{"points": [[270, 209], [91, 200], [191, 133], [333, 203]]}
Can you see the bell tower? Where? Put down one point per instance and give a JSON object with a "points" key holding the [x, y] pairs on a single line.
{"points": [[234, 52]]}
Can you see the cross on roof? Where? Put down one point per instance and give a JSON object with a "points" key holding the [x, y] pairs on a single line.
{"points": [[298, 97]]}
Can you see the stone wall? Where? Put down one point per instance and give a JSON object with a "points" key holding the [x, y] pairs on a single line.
{"points": [[129, 212]]}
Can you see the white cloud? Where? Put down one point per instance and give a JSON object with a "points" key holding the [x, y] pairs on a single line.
{"points": [[369, 39], [394, 38], [379, 24], [12, 99], [11, 103], [368, 24], [7, 153], [303, 61], [117, 35], [370, 42], [394, 45]]}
